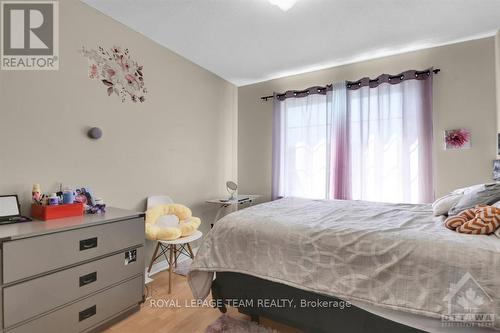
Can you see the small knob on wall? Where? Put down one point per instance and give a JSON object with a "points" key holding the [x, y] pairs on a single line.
{"points": [[94, 133]]}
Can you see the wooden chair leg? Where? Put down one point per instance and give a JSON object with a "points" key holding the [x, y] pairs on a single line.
{"points": [[154, 257], [175, 255], [170, 267], [190, 250]]}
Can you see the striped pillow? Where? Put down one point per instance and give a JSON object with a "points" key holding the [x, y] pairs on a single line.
{"points": [[480, 220]]}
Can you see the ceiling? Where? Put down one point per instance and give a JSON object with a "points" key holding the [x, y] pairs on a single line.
{"points": [[248, 41]]}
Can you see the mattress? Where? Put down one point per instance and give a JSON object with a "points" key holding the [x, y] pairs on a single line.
{"points": [[384, 257]]}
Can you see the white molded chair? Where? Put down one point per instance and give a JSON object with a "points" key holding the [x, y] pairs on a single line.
{"points": [[174, 247]]}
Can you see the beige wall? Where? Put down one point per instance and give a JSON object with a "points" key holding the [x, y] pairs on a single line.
{"points": [[181, 141], [464, 96], [497, 53]]}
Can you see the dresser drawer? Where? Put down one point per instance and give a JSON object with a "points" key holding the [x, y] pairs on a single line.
{"points": [[89, 312], [50, 291], [31, 256]]}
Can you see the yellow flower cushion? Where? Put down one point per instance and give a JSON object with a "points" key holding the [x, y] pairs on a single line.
{"points": [[187, 223], [189, 226]]}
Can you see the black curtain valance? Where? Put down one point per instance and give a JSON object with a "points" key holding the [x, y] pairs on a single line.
{"points": [[392, 79], [353, 85], [306, 92]]}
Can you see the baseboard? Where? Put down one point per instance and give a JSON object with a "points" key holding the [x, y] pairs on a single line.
{"points": [[161, 266]]}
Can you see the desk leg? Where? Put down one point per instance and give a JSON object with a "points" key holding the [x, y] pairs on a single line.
{"points": [[218, 214]]}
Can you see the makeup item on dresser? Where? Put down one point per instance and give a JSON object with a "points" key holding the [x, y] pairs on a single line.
{"points": [[36, 193], [68, 196], [53, 199], [59, 194], [10, 210], [98, 208]]}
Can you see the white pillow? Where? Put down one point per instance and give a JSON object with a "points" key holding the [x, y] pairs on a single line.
{"points": [[469, 189], [442, 205]]}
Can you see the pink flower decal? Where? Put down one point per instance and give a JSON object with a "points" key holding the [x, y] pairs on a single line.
{"points": [[110, 73], [93, 71], [119, 74]]}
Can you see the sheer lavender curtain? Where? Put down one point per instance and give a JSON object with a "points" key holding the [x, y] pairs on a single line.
{"points": [[339, 156], [277, 151], [390, 138], [300, 147]]}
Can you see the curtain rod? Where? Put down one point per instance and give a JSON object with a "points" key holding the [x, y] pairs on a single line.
{"points": [[322, 89]]}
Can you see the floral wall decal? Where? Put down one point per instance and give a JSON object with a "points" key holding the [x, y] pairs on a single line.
{"points": [[118, 73], [457, 139]]}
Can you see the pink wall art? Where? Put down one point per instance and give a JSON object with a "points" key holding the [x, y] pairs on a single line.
{"points": [[117, 72], [457, 139]]}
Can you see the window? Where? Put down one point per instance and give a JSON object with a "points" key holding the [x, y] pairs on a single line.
{"points": [[368, 143], [385, 148], [304, 147]]}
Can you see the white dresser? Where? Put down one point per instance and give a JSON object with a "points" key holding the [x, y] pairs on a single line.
{"points": [[71, 275]]}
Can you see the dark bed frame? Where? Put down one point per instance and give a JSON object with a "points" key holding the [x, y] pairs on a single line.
{"points": [[230, 287]]}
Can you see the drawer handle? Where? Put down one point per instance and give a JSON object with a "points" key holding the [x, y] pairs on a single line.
{"points": [[87, 313], [89, 278], [88, 243]]}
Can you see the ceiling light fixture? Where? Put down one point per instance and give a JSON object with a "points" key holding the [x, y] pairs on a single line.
{"points": [[284, 5]]}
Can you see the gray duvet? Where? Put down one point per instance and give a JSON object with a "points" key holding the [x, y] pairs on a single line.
{"points": [[396, 256]]}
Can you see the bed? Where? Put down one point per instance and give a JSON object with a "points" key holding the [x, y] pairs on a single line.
{"points": [[394, 261]]}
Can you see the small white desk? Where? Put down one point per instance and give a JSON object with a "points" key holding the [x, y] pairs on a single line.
{"points": [[224, 203]]}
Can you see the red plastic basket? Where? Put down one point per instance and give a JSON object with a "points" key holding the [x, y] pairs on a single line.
{"points": [[45, 213]]}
